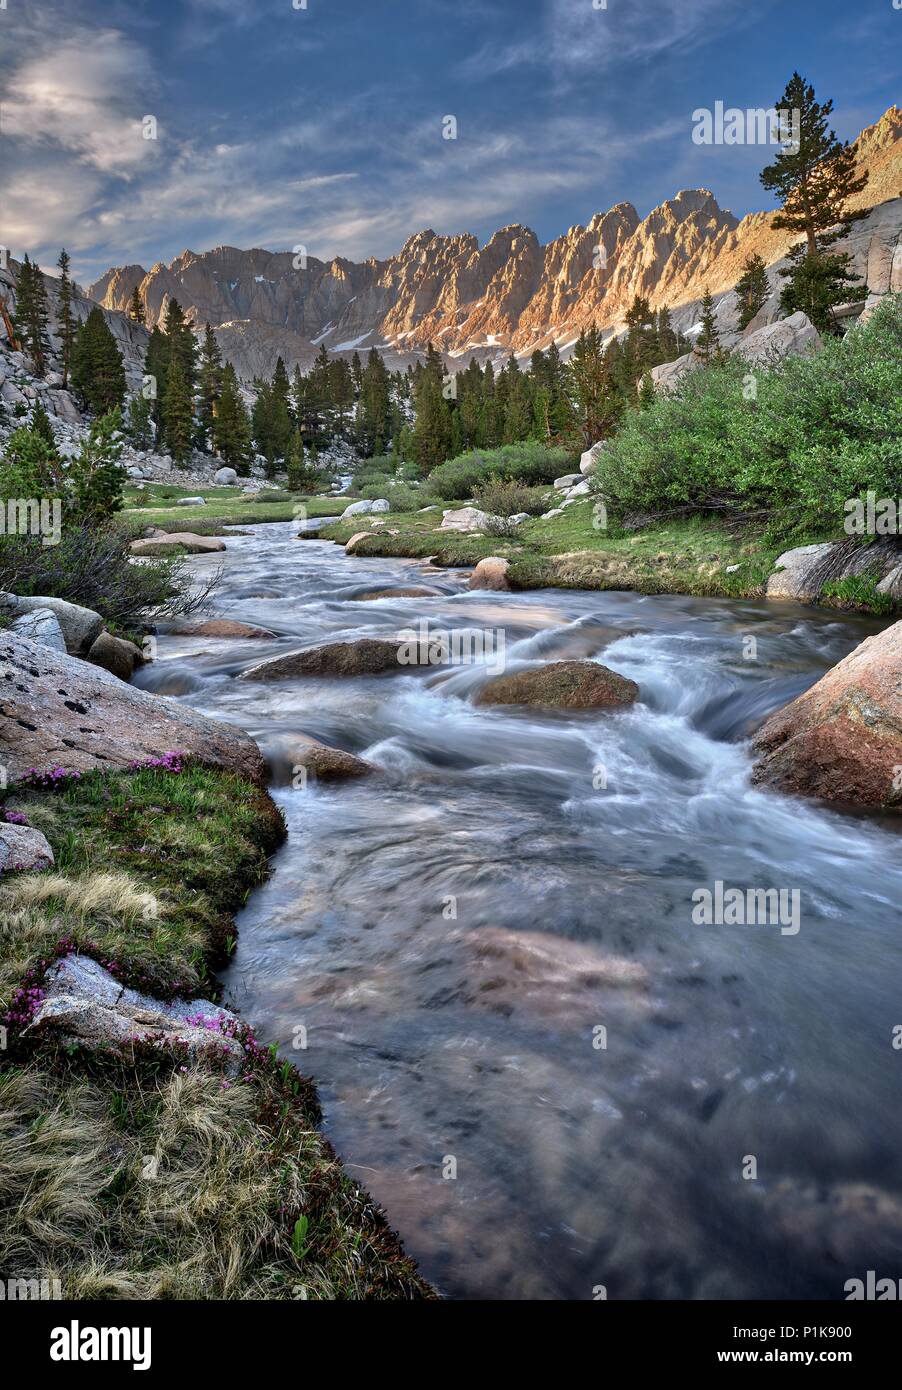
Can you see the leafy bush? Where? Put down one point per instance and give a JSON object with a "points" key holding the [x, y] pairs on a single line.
{"points": [[794, 441], [859, 591], [528, 462], [508, 498], [91, 566], [401, 496]]}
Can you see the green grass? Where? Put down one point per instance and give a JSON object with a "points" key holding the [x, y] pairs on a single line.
{"points": [[150, 1179], [224, 506], [570, 551]]}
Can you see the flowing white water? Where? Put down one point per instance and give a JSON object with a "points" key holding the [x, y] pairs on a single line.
{"points": [[453, 932]]}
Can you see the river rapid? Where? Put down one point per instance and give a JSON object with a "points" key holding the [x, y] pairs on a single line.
{"points": [[551, 1077]]}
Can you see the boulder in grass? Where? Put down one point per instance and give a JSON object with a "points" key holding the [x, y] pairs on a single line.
{"points": [[561, 685], [465, 519], [83, 1004], [225, 477], [842, 739], [190, 501], [23, 849]]}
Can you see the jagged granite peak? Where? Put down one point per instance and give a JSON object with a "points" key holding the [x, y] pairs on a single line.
{"points": [[511, 293]]}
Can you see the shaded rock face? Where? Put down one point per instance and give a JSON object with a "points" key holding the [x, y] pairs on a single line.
{"points": [[80, 626], [562, 685], [40, 625], [368, 656], [58, 711], [797, 571], [842, 740], [115, 655], [84, 1004], [23, 850], [490, 573]]}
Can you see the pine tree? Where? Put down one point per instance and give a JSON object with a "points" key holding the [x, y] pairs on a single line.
{"points": [[136, 309], [593, 387], [231, 427], [707, 345], [98, 376], [814, 183], [178, 412], [301, 477], [31, 314], [96, 474], [209, 383], [40, 425], [65, 320], [432, 428], [647, 393], [156, 365], [374, 407], [138, 424], [752, 289]]}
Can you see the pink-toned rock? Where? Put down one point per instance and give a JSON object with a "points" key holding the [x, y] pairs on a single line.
{"points": [[490, 573], [842, 740]]}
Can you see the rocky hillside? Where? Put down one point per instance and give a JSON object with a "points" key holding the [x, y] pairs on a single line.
{"points": [[474, 300]]}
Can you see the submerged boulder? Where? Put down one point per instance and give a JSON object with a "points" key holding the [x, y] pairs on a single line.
{"points": [[320, 760], [58, 711], [561, 685], [368, 656], [226, 628], [842, 740]]}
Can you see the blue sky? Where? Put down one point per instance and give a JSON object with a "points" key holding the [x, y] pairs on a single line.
{"points": [[322, 126]]}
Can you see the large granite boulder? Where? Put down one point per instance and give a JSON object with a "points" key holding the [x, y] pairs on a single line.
{"points": [[799, 572], [83, 1004], [184, 540], [464, 519], [561, 685], [789, 337], [367, 506], [842, 739], [80, 626], [57, 711]]}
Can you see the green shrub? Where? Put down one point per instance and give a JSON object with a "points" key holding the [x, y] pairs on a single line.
{"points": [[508, 498], [529, 462], [859, 591], [793, 441], [91, 566], [401, 496]]}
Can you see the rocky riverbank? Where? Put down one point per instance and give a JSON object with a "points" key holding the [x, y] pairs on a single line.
{"points": [[152, 1148]]}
